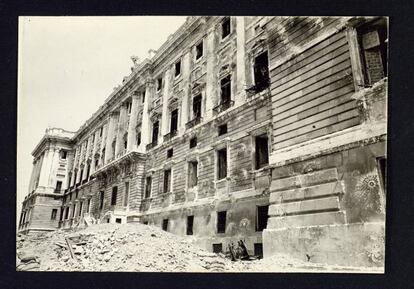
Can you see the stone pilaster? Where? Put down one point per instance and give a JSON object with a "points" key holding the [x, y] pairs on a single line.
{"points": [[94, 148], [119, 145], [186, 71], [165, 97], [211, 82], [145, 129], [46, 167], [241, 62], [132, 133], [110, 137]]}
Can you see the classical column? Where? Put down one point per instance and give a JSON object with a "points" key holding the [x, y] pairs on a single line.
{"points": [[145, 128], [32, 176], [165, 97], [95, 144], [87, 154], [211, 82], [103, 138], [46, 166], [110, 137], [132, 133], [186, 89], [119, 145], [241, 62]]}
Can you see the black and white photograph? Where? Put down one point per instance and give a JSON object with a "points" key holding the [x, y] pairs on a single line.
{"points": [[202, 144]]}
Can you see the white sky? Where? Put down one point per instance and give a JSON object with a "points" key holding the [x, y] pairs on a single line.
{"points": [[68, 66]]}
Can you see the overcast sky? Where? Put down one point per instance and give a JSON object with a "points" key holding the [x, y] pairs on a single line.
{"points": [[68, 66]]}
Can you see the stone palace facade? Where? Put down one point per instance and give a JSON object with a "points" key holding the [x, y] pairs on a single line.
{"points": [[267, 129]]}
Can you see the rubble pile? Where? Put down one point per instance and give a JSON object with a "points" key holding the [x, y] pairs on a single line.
{"points": [[114, 247]]}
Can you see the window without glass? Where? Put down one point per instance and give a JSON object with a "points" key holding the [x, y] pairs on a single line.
{"points": [[88, 170], [114, 195], [54, 214], [177, 68], [222, 163], [221, 221], [143, 96], [190, 222], [262, 215], [165, 224], [126, 194], [58, 186], [100, 131], [192, 174], [148, 184], [167, 181], [373, 41], [193, 142], [197, 106], [89, 206], [159, 83], [225, 89], [222, 129], [80, 208], [199, 50], [63, 155], [262, 151], [174, 121], [258, 250], [138, 138], [218, 248], [170, 153], [225, 27], [155, 130], [261, 72], [96, 163], [67, 213]]}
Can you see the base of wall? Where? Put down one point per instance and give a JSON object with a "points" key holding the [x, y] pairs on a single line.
{"points": [[359, 244]]}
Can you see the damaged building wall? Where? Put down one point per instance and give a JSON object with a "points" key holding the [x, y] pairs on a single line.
{"points": [[329, 144]]}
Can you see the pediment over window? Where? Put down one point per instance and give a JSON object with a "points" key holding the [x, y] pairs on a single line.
{"points": [[197, 87], [260, 45]]}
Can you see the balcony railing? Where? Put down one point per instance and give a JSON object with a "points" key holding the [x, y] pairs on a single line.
{"points": [[170, 135], [193, 122], [151, 145], [223, 106]]}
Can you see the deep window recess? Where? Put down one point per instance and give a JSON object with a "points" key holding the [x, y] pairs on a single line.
{"points": [[118, 220], [177, 68], [199, 50], [61, 215], [167, 181], [148, 184], [222, 129], [159, 83], [190, 222], [67, 213], [145, 223], [258, 250], [225, 88], [155, 129], [54, 213], [138, 138], [225, 27], [58, 187], [100, 131], [96, 163], [262, 215], [89, 206], [114, 195], [174, 121], [143, 96], [126, 194], [373, 40], [221, 221], [262, 151], [222, 163], [63, 155], [217, 248], [197, 106], [80, 208], [261, 72], [193, 142], [165, 224], [192, 174], [125, 144], [170, 153], [88, 170]]}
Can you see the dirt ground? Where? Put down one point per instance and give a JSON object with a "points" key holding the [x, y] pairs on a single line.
{"points": [[142, 248]]}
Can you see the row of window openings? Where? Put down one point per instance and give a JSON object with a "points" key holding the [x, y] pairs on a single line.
{"points": [[261, 221], [114, 196], [261, 160], [73, 211]]}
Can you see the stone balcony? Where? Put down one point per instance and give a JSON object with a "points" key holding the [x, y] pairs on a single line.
{"points": [[223, 106], [193, 122], [170, 135]]}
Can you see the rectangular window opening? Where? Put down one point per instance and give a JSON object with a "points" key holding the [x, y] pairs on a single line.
{"points": [[63, 155], [167, 181], [174, 121], [262, 151], [58, 187], [192, 174], [170, 153], [218, 248], [225, 90], [165, 225], [261, 72], [159, 83], [114, 195], [199, 50], [148, 184], [54, 214], [126, 194], [262, 216], [193, 142], [197, 106], [177, 68], [155, 130], [258, 250], [222, 163], [222, 129], [221, 221], [225, 27], [190, 222], [118, 220], [138, 138]]}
